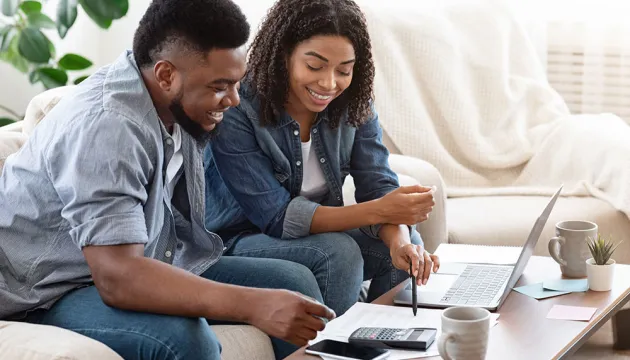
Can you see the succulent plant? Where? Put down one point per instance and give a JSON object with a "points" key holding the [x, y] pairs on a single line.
{"points": [[601, 249]]}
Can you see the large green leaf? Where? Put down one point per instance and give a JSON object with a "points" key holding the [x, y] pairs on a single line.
{"points": [[34, 46], [51, 47], [52, 78], [80, 79], [101, 11], [9, 7], [13, 57], [66, 15], [74, 62], [29, 7], [39, 20], [120, 8], [6, 121]]}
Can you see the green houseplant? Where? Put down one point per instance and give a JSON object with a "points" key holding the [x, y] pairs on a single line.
{"points": [[600, 268], [25, 45]]}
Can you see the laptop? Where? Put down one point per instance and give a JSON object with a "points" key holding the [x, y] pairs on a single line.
{"points": [[477, 285]]}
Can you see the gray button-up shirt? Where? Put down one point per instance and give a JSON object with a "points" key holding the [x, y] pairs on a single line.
{"points": [[92, 173]]}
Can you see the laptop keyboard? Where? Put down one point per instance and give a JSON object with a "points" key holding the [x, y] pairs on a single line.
{"points": [[477, 285]]}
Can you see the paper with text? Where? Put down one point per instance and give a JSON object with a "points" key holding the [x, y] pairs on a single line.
{"points": [[371, 315]]}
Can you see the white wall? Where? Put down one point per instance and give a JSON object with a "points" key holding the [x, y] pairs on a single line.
{"points": [[102, 47]]}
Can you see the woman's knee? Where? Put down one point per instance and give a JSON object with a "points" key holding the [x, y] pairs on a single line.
{"points": [[297, 277], [341, 249]]}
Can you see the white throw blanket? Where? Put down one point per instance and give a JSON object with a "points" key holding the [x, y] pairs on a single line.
{"points": [[460, 85]]}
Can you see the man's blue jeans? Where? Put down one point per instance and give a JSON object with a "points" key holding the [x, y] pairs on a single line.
{"points": [[145, 336], [340, 262]]}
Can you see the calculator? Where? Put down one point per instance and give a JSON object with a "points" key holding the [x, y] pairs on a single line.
{"points": [[392, 338]]}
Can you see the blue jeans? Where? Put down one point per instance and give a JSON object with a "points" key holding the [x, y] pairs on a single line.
{"points": [[340, 262], [146, 336]]}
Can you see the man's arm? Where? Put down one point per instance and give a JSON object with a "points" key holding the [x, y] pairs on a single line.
{"points": [[126, 279], [101, 170]]}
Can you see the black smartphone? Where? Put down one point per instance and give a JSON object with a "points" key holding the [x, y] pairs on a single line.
{"points": [[341, 350]]}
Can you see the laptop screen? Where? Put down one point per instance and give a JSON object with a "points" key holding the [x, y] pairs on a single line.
{"points": [[529, 247]]}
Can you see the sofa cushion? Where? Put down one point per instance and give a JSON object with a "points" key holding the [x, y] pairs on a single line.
{"points": [[41, 104], [243, 342], [21, 341], [10, 142], [508, 220]]}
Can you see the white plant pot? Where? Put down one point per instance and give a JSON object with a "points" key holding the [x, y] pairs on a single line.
{"points": [[600, 277]]}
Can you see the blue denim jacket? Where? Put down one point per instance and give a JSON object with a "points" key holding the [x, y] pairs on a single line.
{"points": [[261, 168]]}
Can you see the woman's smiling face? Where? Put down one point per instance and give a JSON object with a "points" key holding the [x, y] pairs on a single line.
{"points": [[320, 69]]}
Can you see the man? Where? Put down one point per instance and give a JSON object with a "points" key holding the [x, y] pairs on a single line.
{"points": [[102, 211]]}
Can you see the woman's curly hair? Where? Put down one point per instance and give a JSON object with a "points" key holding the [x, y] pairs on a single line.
{"points": [[290, 22]]}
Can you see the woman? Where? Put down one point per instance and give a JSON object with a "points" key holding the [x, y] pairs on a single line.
{"points": [[304, 123]]}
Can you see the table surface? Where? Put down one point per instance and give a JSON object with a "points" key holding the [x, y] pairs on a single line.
{"points": [[524, 332]]}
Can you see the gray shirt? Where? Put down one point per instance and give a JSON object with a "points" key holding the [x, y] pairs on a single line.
{"points": [[92, 173]]}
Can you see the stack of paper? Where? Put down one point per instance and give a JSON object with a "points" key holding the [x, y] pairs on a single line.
{"points": [[370, 315]]}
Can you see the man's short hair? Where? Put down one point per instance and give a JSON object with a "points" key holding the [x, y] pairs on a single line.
{"points": [[195, 25]]}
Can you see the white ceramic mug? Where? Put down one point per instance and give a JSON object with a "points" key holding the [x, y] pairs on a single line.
{"points": [[464, 333], [569, 249]]}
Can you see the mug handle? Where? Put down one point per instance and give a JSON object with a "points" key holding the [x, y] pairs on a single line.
{"points": [[444, 338], [554, 249]]}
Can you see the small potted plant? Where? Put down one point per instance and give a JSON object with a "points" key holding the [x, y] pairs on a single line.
{"points": [[600, 268]]}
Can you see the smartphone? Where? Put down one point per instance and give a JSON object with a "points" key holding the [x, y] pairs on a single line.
{"points": [[341, 350]]}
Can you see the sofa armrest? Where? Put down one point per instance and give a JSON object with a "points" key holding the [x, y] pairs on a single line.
{"points": [[10, 143], [17, 126], [41, 104], [415, 171], [434, 231]]}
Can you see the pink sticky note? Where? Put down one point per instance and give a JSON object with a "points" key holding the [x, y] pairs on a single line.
{"points": [[564, 312]]}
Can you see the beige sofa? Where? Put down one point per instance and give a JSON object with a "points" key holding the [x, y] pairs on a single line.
{"points": [[239, 341]]}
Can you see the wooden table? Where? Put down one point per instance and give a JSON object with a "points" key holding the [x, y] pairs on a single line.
{"points": [[524, 332]]}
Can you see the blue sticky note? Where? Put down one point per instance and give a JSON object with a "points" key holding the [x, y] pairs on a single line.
{"points": [[538, 292], [577, 285]]}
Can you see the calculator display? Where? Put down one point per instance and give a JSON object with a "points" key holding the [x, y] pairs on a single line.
{"points": [[415, 335]]}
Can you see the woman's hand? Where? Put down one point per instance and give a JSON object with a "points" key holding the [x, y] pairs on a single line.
{"points": [[421, 261], [407, 205]]}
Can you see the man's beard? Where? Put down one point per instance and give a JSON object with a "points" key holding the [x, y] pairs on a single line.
{"points": [[189, 125]]}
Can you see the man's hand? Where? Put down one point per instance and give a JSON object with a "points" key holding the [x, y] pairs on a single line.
{"points": [[407, 205], [289, 316], [421, 261]]}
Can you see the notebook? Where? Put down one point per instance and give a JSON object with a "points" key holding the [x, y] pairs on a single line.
{"points": [[479, 254]]}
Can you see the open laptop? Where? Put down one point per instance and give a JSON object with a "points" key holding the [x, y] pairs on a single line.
{"points": [[478, 285]]}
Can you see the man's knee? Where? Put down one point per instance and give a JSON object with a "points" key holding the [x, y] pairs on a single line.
{"points": [[192, 338], [160, 337]]}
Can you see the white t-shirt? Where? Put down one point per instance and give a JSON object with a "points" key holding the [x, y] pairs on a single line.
{"points": [[175, 163], [313, 181]]}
